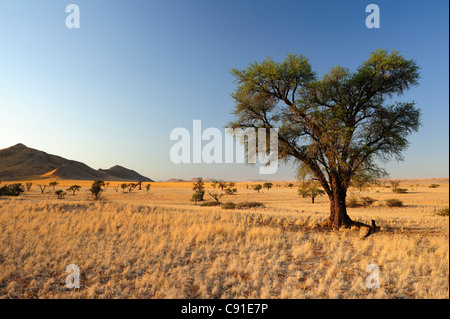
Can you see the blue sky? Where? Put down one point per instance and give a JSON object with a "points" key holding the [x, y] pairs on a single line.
{"points": [[111, 91]]}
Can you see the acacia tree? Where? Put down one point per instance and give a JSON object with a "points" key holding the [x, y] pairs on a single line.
{"points": [[97, 188], [74, 188], [337, 125], [53, 184]]}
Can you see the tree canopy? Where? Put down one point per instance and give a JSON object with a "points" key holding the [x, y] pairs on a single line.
{"points": [[337, 125]]}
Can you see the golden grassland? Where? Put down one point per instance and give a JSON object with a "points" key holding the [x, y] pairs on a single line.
{"points": [[160, 245]]}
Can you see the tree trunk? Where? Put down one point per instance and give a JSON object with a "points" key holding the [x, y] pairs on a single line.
{"points": [[338, 208]]}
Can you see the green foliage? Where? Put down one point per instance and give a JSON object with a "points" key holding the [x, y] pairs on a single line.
{"points": [[268, 185], [197, 196], [229, 205], [353, 202], [257, 187], [131, 186], [210, 204], [60, 193], [74, 188], [243, 205], [229, 191], [199, 185], [222, 185], [216, 196], [396, 189], [310, 189], [199, 188], [337, 125], [442, 212], [367, 201], [12, 189], [97, 188], [395, 184], [53, 184], [393, 202]]}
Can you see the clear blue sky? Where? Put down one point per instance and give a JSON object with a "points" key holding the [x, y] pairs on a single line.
{"points": [[111, 91]]}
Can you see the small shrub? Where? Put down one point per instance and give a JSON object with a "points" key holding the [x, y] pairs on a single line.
{"points": [[442, 212], [244, 205], [61, 194], [197, 196], [216, 196], [434, 186], [229, 205], [73, 189], [393, 202], [353, 202], [97, 188], [250, 205], [210, 204], [367, 201], [12, 189], [400, 190], [257, 187]]}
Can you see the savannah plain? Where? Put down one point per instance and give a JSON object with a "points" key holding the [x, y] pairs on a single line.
{"points": [[161, 245]]}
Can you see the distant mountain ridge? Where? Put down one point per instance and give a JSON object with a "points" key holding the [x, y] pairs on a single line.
{"points": [[20, 162]]}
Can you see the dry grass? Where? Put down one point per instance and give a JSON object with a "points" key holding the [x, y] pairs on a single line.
{"points": [[159, 245]]}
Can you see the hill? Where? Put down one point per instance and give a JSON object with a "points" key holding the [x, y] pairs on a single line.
{"points": [[20, 162]]}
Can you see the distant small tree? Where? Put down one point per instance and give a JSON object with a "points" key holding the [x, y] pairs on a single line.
{"points": [[199, 189], [395, 184], [222, 185], [268, 185], [53, 184], [131, 186], [216, 196], [42, 187], [310, 189], [257, 187], [11, 189], [197, 197], [74, 188], [230, 185], [97, 188], [124, 186], [290, 185], [147, 187], [116, 188], [139, 184], [230, 191], [60, 193], [28, 186]]}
